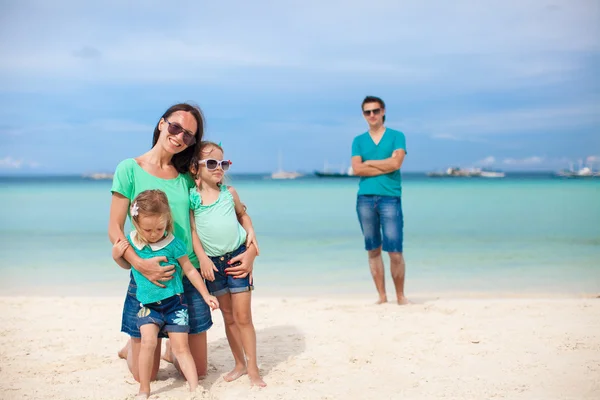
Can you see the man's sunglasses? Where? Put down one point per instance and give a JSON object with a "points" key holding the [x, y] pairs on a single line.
{"points": [[375, 111], [175, 129], [212, 164]]}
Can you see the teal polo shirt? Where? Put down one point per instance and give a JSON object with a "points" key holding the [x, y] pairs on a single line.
{"points": [[386, 184], [170, 247]]}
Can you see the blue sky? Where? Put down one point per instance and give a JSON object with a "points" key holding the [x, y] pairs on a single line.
{"points": [[512, 85]]}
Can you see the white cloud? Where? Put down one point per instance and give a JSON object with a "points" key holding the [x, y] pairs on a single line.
{"points": [[99, 126], [490, 160], [528, 161], [462, 43], [515, 121], [10, 163]]}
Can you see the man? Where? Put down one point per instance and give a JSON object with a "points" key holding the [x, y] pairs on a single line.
{"points": [[377, 156]]}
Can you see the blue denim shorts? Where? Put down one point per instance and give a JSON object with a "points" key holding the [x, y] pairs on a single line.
{"points": [[381, 216], [200, 319], [224, 283], [170, 314]]}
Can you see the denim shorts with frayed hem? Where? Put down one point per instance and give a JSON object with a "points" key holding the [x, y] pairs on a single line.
{"points": [[224, 283], [200, 319], [381, 222]]}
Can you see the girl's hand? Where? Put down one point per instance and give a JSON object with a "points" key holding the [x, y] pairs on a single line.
{"points": [[154, 272], [244, 264], [212, 302], [119, 248], [207, 269], [251, 240]]}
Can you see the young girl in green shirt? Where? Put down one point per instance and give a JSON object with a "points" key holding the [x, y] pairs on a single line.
{"points": [[162, 309], [218, 237]]}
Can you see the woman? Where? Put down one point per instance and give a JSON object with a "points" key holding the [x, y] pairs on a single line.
{"points": [[166, 167]]}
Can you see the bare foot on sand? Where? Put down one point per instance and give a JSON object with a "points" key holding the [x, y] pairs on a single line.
{"points": [[382, 300], [168, 355], [235, 374], [255, 379], [123, 352], [142, 396], [403, 301]]}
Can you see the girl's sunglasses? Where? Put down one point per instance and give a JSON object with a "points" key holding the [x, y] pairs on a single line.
{"points": [[212, 164], [175, 129]]}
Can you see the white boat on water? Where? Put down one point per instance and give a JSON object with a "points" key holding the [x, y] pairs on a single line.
{"points": [[282, 174], [455, 172], [285, 175], [492, 174], [582, 172], [585, 172], [98, 176]]}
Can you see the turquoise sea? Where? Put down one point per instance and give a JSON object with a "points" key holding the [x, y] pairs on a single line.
{"points": [[524, 234]]}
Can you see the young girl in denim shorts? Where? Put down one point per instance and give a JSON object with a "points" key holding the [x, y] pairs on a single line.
{"points": [[218, 237], [162, 309]]}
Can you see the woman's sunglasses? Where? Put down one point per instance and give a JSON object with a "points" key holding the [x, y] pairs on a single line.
{"points": [[175, 129], [212, 164]]}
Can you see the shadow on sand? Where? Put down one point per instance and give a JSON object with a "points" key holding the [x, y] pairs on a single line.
{"points": [[275, 345]]}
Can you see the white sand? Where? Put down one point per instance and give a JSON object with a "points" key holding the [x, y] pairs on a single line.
{"points": [[310, 348]]}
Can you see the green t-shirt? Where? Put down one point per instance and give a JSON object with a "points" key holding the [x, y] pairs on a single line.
{"points": [[130, 180], [216, 224], [170, 247], [389, 184]]}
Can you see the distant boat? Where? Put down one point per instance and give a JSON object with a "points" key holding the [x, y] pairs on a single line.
{"points": [[455, 172], [98, 176], [582, 172], [349, 173], [281, 174], [285, 175], [492, 174]]}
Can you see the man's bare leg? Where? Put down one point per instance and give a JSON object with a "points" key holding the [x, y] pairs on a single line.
{"points": [[398, 269], [377, 272]]}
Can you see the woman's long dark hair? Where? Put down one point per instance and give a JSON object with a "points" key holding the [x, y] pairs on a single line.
{"points": [[181, 161]]}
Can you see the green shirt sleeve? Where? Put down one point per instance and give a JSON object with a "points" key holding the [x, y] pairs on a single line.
{"points": [[400, 142], [178, 248], [355, 147], [195, 200], [123, 181]]}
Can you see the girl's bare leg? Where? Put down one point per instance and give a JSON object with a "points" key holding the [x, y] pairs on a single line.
{"points": [[199, 349], [131, 353], [234, 337], [147, 350], [243, 318], [181, 350]]}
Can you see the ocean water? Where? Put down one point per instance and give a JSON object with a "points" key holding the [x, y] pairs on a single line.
{"points": [[524, 234]]}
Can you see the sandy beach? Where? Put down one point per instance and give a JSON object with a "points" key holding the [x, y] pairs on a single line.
{"points": [[312, 348]]}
